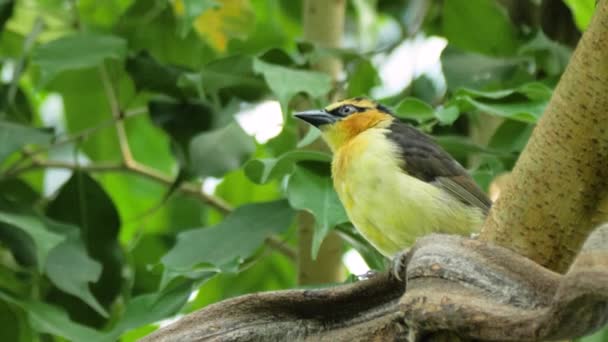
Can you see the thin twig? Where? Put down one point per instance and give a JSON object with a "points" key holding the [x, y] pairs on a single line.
{"points": [[190, 189], [121, 132], [27, 154], [134, 168], [281, 246]]}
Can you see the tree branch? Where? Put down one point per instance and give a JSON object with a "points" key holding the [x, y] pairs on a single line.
{"points": [[546, 210], [472, 289], [121, 132]]}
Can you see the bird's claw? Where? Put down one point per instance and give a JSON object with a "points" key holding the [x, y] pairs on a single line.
{"points": [[399, 264]]}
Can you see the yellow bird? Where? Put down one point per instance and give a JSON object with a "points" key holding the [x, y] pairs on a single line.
{"points": [[395, 183]]}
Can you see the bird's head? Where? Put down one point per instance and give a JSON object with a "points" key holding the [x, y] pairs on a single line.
{"points": [[341, 121]]}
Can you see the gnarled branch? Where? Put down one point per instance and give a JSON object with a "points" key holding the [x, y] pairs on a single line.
{"points": [[466, 287]]}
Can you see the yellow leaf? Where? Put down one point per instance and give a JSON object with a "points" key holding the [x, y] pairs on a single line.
{"points": [[232, 19]]}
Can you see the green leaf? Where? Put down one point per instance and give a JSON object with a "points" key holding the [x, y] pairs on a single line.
{"points": [[232, 240], [78, 51], [82, 202], [101, 14], [414, 109], [310, 188], [234, 72], [461, 147], [479, 25], [6, 11], [447, 115], [508, 102], [14, 107], [237, 189], [528, 112], [478, 71], [262, 171], [152, 307], [362, 79], [181, 120], [36, 227], [219, 151], [61, 263], [287, 82], [582, 10], [600, 336], [550, 56], [50, 319], [511, 136], [151, 75], [14, 136]]}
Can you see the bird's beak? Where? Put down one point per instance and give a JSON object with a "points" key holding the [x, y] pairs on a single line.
{"points": [[316, 117]]}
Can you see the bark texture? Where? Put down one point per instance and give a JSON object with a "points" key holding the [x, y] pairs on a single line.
{"points": [[546, 212], [471, 289]]}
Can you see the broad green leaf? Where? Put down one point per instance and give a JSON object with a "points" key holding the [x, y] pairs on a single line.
{"points": [[536, 91], [550, 56], [14, 107], [478, 71], [219, 151], [6, 11], [532, 90], [103, 14], [60, 265], [272, 272], [528, 112], [152, 307], [447, 115], [481, 26], [287, 82], [233, 73], [14, 136], [311, 189], [600, 336], [78, 51], [414, 109], [311, 136], [81, 201], [511, 136], [36, 227], [232, 240], [50, 319], [362, 79], [181, 120], [154, 27], [263, 170], [151, 75], [582, 10], [237, 189]]}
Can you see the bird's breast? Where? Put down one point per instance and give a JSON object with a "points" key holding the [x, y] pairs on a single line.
{"points": [[387, 206]]}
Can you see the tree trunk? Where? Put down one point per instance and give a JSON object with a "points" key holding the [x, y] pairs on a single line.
{"points": [[556, 186]]}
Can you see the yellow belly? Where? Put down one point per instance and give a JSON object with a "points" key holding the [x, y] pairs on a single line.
{"points": [[388, 207]]}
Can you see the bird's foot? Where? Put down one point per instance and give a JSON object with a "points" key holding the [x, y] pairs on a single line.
{"points": [[399, 264], [368, 275]]}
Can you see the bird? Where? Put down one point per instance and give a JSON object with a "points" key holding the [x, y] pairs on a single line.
{"points": [[396, 183]]}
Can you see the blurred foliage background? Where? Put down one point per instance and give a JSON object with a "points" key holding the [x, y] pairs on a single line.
{"points": [[150, 164]]}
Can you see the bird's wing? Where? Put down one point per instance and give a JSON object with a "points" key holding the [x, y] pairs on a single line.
{"points": [[427, 161]]}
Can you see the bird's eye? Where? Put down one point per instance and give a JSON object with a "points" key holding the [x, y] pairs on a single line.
{"points": [[346, 110]]}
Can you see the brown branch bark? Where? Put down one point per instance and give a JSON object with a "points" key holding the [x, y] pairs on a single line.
{"points": [[472, 289], [546, 212]]}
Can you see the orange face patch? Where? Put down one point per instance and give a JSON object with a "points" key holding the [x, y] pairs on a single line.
{"points": [[357, 123]]}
